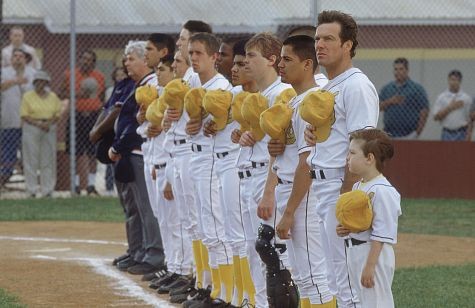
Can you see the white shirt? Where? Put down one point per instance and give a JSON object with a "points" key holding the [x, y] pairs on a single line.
{"points": [[259, 152], [11, 98], [321, 80], [456, 118], [177, 129], [222, 140], [7, 56], [286, 163], [386, 203], [242, 161], [356, 108], [215, 83]]}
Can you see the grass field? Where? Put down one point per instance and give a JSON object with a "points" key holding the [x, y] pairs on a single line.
{"points": [[442, 286]]}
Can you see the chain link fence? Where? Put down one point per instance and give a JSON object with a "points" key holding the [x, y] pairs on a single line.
{"points": [[435, 37]]}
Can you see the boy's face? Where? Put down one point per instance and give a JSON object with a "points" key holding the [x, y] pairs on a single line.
{"points": [[200, 60], [256, 64], [239, 74], [153, 55], [357, 161], [164, 74], [182, 42], [291, 68], [179, 65], [225, 59]]}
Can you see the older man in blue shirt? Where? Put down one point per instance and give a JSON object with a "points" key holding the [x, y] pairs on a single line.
{"points": [[404, 103]]}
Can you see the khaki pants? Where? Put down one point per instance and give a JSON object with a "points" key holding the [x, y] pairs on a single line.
{"points": [[39, 153]]}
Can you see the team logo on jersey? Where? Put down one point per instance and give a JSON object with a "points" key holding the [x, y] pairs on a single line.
{"points": [[290, 135]]}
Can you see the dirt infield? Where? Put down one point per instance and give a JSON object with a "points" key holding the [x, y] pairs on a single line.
{"points": [[66, 264]]}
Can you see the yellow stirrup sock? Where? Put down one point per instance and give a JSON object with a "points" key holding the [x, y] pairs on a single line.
{"points": [[216, 282], [305, 303], [330, 304], [196, 245], [227, 279], [205, 258], [238, 283], [248, 284]]}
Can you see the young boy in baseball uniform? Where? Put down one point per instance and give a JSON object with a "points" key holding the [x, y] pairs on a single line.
{"points": [[356, 108], [296, 203], [370, 254]]}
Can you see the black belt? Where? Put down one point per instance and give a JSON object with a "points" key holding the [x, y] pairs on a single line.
{"points": [[222, 155], [255, 165], [178, 142], [457, 130], [161, 166], [196, 147], [280, 181], [354, 242], [244, 174], [313, 175]]}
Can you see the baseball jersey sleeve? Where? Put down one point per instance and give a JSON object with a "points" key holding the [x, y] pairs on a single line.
{"points": [[361, 105], [299, 130], [386, 210]]}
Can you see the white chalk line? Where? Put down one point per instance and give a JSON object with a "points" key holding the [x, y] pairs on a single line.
{"points": [[49, 250], [59, 240]]}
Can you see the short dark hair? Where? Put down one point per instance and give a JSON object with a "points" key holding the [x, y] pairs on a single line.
{"points": [[456, 73], [376, 142], [304, 47], [168, 60], [194, 26], [402, 61], [92, 53], [349, 28], [239, 48], [303, 30], [210, 41], [162, 40]]}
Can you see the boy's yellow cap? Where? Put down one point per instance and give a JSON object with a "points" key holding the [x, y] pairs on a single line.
{"points": [[254, 104], [155, 112], [217, 103], [317, 109], [236, 107], [285, 96], [144, 95], [194, 102], [275, 120], [173, 94], [354, 211]]}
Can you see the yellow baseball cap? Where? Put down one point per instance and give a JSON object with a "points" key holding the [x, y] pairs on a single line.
{"points": [[144, 95], [194, 102], [155, 112], [275, 120], [173, 94], [254, 104], [285, 96], [354, 211], [317, 109], [236, 110], [217, 103]]}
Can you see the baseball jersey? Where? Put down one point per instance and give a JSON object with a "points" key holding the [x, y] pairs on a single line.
{"points": [[258, 152], [321, 80], [242, 161], [456, 118], [386, 203], [177, 129], [286, 163], [158, 153], [356, 108], [222, 141], [215, 83]]}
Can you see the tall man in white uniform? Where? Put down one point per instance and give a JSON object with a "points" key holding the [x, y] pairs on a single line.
{"points": [[356, 108]]}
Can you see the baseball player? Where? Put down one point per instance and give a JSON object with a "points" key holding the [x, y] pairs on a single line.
{"points": [[370, 254], [203, 48], [296, 203], [262, 57], [356, 108]]}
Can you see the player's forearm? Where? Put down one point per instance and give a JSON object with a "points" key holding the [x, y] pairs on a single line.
{"points": [[348, 181], [374, 253], [422, 120], [271, 182], [302, 182]]}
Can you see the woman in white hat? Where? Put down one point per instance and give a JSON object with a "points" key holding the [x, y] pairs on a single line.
{"points": [[39, 111]]}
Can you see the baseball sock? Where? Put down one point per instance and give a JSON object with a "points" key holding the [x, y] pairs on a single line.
{"points": [[227, 279], [216, 280], [238, 283], [248, 285], [206, 268], [305, 303], [330, 304], [196, 245]]}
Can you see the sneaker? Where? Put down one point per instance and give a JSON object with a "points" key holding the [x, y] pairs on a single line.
{"points": [[200, 297], [91, 191], [180, 282], [155, 275], [169, 277], [180, 298], [121, 258], [142, 269], [185, 289]]}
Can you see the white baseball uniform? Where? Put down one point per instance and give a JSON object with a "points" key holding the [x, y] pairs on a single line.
{"points": [[321, 80], [305, 247], [386, 203], [356, 108]]}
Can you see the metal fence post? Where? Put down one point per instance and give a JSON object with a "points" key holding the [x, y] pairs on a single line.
{"points": [[72, 95]]}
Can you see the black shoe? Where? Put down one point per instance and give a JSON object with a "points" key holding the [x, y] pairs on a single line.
{"points": [[125, 264], [155, 275], [142, 269], [185, 289], [201, 297], [180, 282], [180, 298], [121, 258], [169, 277], [91, 191]]}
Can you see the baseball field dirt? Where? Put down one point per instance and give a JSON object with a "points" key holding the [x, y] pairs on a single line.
{"points": [[68, 264]]}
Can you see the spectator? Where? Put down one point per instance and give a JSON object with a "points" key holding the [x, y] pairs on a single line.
{"points": [[90, 86], [404, 103], [16, 80], [16, 42], [452, 109], [39, 111]]}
